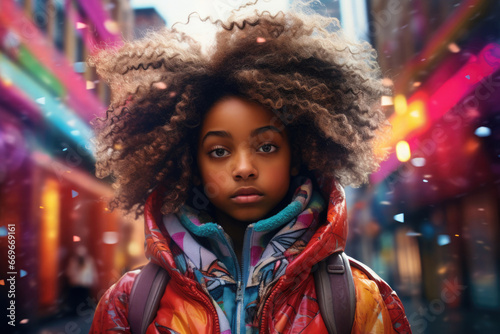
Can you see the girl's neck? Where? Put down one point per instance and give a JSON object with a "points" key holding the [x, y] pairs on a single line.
{"points": [[235, 229]]}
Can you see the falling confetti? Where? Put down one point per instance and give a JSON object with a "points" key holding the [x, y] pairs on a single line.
{"points": [[76, 238], [468, 77], [3, 231], [400, 217], [23, 273], [443, 239], [2, 282], [261, 40], [482, 131], [40, 100], [74, 193], [453, 48]]}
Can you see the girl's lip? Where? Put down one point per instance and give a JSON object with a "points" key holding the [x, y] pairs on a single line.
{"points": [[246, 191], [246, 199]]}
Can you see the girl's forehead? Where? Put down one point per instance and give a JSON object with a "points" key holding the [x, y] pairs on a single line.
{"points": [[236, 114]]}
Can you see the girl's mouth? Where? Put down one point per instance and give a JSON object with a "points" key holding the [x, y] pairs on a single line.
{"points": [[247, 199], [247, 195]]}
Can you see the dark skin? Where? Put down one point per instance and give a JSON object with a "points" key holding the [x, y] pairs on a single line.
{"points": [[244, 161]]}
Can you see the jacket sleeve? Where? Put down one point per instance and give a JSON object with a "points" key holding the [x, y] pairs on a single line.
{"points": [[111, 314], [378, 308]]}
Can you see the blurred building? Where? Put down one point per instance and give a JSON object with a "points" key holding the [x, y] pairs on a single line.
{"points": [[147, 19], [48, 192], [429, 221]]}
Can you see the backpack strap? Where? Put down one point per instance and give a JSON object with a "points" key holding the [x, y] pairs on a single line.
{"points": [[145, 297], [336, 294]]}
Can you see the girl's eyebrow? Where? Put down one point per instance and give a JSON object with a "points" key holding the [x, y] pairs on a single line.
{"points": [[263, 129], [254, 133], [223, 134]]}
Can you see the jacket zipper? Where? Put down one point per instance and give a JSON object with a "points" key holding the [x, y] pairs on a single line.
{"points": [[265, 309], [239, 291], [239, 303], [244, 272], [206, 300], [241, 279]]}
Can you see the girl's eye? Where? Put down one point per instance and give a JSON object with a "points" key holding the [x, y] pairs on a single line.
{"points": [[219, 153], [268, 148]]}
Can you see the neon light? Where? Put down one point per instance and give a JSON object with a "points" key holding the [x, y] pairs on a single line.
{"points": [[400, 106], [403, 151], [49, 243], [386, 101], [424, 113], [78, 98], [53, 110], [449, 31]]}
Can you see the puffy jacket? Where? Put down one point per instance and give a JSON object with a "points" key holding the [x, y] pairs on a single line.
{"points": [[289, 305]]}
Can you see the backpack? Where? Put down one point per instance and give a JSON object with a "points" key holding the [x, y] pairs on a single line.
{"points": [[332, 277]]}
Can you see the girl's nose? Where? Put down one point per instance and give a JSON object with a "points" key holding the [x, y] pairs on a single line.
{"points": [[243, 167]]}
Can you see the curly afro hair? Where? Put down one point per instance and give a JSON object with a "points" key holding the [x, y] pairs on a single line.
{"points": [[324, 87]]}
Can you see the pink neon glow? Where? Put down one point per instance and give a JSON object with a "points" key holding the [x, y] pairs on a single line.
{"points": [[79, 99], [467, 79]]}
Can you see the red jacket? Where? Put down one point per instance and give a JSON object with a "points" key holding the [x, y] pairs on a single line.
{"points": [[290, 306]]}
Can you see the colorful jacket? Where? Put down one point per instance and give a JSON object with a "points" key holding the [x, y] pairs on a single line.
{"points": [[274, 290]]}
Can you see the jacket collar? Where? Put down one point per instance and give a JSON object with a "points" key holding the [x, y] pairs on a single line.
{"points": [[330, 237]]}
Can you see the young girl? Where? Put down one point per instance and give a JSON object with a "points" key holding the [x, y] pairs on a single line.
{"points": [[236, 157]]}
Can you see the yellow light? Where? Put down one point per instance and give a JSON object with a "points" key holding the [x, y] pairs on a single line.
{"points": [[400, 105], [112, 26], [403, 151], [48, 259], [134, 249], [7, 82]]}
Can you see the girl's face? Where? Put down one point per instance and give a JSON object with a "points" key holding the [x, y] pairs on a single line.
{"points": [[244, 159]]}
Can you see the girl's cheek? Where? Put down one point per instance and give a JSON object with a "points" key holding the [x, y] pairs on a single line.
{"points": [[216, 179]]}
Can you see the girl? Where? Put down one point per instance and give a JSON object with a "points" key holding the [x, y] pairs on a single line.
{"points": [[236, 157]]}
